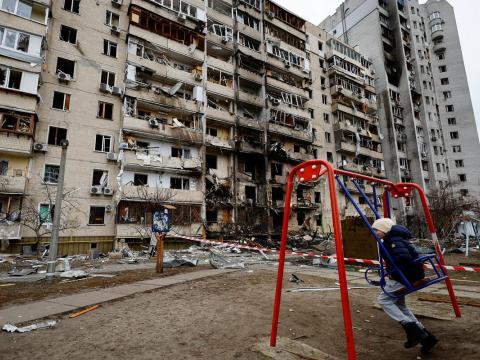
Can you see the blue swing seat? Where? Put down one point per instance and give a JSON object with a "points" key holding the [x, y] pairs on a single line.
{"points": [[440, 275]]}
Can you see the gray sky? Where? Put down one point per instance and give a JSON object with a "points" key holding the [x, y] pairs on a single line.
{"points": [[466, 12]]}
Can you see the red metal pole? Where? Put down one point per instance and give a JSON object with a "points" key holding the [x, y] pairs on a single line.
{"points": [[342, 276], [281, 259], [431, 227], [386, 204]]}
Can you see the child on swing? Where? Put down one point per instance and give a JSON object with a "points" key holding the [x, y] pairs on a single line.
{"points": [[396, 241]]}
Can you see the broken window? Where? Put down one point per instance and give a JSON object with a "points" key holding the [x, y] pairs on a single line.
{"points": [[212, 216], [103, 143], [45, 213], [212, 131], [167, 28], [285, 36], [100, 178], [179, 183], [211, 161], [61, 101], [51, 173], [181, 153], [140, 179], [68, 34], [225, 32], [300, 218], [249, 42], [108, 78], [247, 19], [105, 110], [276, 169], [111, 19], [72, 6], [65, 66], [109, 48], [318, 197], [249, 168], [56, 135], [97, 215], [251, 193], [14, 39]]}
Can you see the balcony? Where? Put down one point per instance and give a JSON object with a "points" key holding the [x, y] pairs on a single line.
{"points": [[16, 144], [304, 204], [250, 52], [282, 85], [178, 196], [296, 156], [250, 99], [218, 142], [165, 43], [164, 100], [337, 106], [437, 34], [439, 48], [220, 64], [12, 184], [10, 231], [218, 40], [163, 131], [278, 63], [351, 148], [27, 25], [164, 71], [251, 123], [251, 147], [250, 75], [342, 125], [218, 114], [136, 230], [18, 101], [140, 160], [293, 110], [303, 135], [220, 89]]}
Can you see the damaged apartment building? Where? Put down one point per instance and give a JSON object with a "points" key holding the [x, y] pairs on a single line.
{"points": [[199, 106]]}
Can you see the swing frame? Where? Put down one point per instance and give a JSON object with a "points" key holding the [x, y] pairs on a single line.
{"points": [[311, 171]]}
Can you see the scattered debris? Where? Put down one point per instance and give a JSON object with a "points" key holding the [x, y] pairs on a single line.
{"points": [[173, 262], [74, 274], [295, 279], [23, 272], [218, 261], [74, 315], [42, 325]]}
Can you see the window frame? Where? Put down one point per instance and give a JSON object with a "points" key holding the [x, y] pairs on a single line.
{"points": [[102, 110], [90, 223], [49, 182], [62, 26], [65, 101], [50, 128], [108, 45], [110, 147]]}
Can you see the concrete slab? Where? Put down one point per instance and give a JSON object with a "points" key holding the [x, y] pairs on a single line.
{"points": [[36, 310], [86, 299], [129, 289]]}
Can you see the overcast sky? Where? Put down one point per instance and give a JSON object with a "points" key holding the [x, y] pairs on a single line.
{"points": [[466, 12]]}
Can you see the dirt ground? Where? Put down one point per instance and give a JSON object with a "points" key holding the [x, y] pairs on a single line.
{"points": [[21, 293], [223, 317]]}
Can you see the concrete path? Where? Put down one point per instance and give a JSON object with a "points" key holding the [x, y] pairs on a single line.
{"points": [[51, 307]]}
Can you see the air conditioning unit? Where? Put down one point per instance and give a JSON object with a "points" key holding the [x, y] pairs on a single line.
{"points": [[112, 156], [271, 14], [153, 123], [181, 17], [117, 90], [105, 88], [40, 147], [117, 3], [108, 208], [198, 77], [63, 76], [115, 30], [107, 191], [96, 190]]}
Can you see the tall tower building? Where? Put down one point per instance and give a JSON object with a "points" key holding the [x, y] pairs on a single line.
{"points": [[407, 43]]}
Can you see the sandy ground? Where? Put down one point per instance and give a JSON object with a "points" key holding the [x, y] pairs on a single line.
{"points": [[223, 317]]}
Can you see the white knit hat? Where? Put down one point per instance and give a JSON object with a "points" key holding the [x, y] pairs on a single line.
{"points": [[383, 224]]}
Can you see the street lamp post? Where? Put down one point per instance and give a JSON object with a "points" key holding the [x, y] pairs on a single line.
{"points": [[52, 252]]}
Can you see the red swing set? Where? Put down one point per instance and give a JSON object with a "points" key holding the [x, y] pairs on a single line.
{"points": [[311, 171]]}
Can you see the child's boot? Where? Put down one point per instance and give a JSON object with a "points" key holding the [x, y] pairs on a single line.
{"points": [[415, 334]]}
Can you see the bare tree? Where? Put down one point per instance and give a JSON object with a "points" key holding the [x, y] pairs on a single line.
{"points": [[149, 199], [447, 207], [40, 222]]}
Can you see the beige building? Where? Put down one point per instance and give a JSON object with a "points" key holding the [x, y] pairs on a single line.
{"points": [[202, 105]]}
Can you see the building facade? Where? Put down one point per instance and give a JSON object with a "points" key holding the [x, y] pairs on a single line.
{"points": [[203, 106], [425, 109]]}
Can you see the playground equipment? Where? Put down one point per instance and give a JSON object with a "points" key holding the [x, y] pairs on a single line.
{"points": [[311, 171]]}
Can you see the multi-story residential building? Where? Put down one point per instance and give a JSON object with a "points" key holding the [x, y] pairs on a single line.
{"points": [[203, 106], [407, 46], [23, 29]]}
